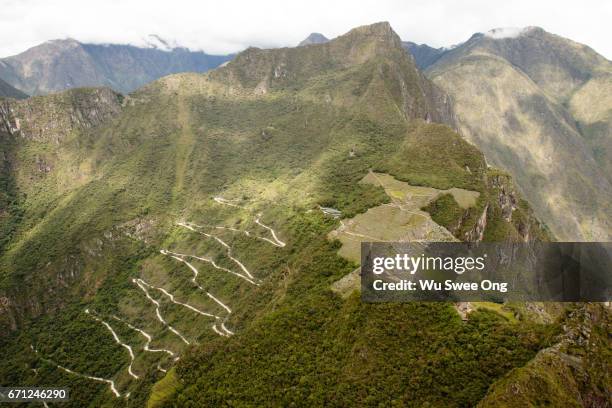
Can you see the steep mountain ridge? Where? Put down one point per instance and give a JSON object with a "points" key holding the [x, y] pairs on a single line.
{"points": [[179, 191], [64, 144], [62, 64], [513, 96], [261, 71], [559, 66]]}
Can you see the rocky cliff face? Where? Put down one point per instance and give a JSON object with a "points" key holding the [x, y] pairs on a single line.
{"points": [[37, 166], [502, 216], [52, 118]]}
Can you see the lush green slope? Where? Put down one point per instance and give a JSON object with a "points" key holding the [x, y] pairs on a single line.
{"points": [[248, 152], [315, 349]]}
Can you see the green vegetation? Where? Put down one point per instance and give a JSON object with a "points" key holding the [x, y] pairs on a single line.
{"points": [[315, 349], [433, 155], [445, 211], [556, 376], [281, 132], [163, 389], [10, 210]]}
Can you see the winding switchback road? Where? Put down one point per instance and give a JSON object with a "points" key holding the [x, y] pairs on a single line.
{"points": [[147, 336], [188, 306], [118, 341], [277, 242], [141, 284], [179, 257], [228, 249], [110, 383], [222, 200]]}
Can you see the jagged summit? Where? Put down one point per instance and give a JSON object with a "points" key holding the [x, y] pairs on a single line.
{"points": [[382, 31], [374, 54], [314, 38], [355, 47]]}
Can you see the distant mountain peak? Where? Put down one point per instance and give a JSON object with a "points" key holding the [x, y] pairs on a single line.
{"points": [[314, 38]]}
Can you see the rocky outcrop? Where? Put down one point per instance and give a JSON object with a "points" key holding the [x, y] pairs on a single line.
{"points": [[476, 234], [8, 124], [53, 117], [506, 196]]}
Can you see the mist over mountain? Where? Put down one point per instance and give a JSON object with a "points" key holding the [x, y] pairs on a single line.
{"points": [[63, 64]]}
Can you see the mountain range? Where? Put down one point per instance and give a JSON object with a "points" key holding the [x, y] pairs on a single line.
{"points": [[195, 242], [63, 64]]}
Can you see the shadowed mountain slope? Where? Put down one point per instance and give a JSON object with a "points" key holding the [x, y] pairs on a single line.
{"points": [[7, 91], [424, 55]]}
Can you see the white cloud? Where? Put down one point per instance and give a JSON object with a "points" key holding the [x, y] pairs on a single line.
{"points": [[230, 26]]}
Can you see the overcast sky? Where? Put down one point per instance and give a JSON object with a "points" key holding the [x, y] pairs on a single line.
{"points": [[224, 26]]}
